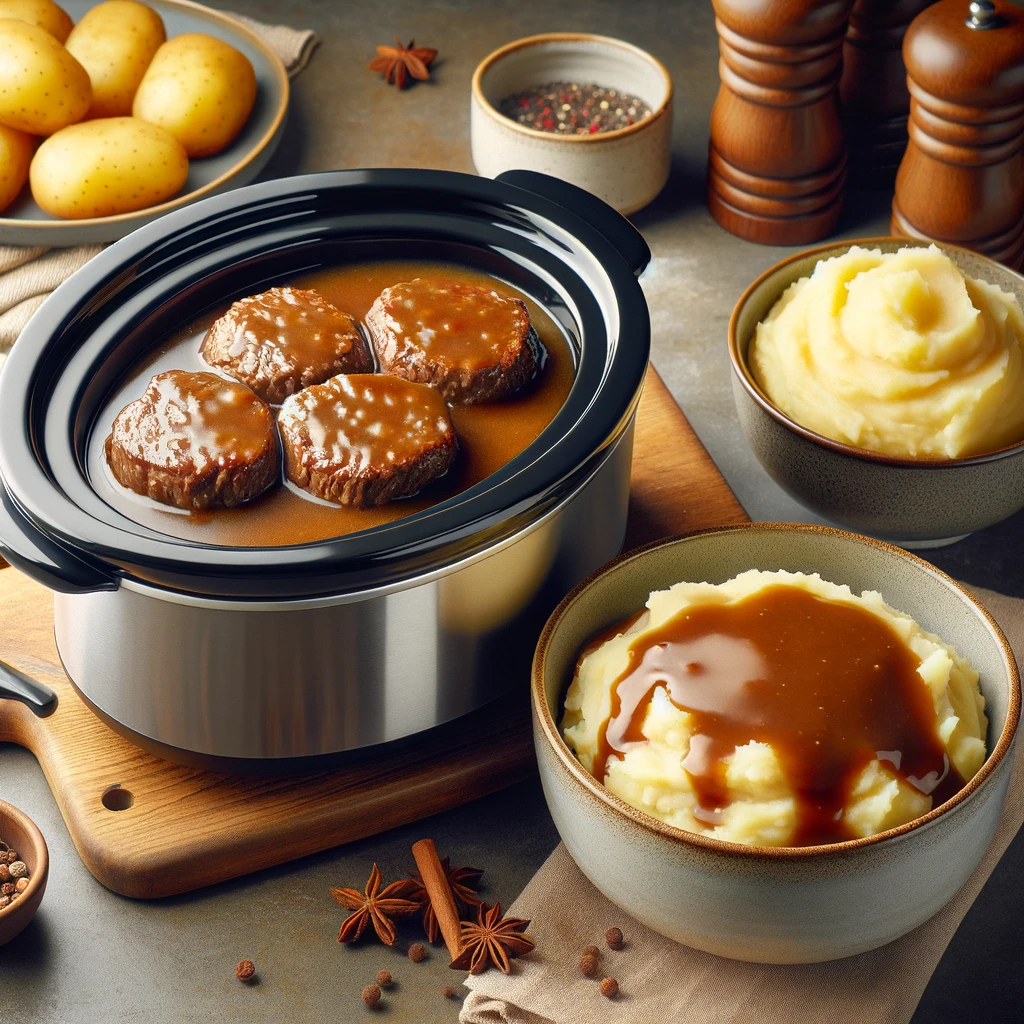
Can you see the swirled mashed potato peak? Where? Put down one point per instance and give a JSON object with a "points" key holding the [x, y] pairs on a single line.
{"points": [[898, 353], [654, 763]]}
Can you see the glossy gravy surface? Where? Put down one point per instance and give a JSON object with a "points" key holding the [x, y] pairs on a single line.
{"points": [[283, 337], [828, 685], [490, 435], [459, 326], [193, 420], [365, 419]]}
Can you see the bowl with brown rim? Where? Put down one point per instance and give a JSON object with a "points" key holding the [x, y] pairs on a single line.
{"points": [[759, 903], [914, 502], [20, 833]]}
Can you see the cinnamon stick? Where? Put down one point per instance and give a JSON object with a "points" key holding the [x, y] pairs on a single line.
{"points": [[435, 881]]}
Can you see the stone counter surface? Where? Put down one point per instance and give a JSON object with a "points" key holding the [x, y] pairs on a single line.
{"points": [[91, 956]]}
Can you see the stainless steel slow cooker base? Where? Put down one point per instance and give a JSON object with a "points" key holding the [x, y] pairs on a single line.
{"points": [[260, 658], [315, 677]]}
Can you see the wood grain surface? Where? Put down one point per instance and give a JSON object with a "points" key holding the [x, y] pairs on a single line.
{"points": [[776, 155], [961, 179], [873, 90], [147, 828]]}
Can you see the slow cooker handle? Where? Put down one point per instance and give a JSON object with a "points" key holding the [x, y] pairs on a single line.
{"points": [[36, 696], [36, 556], [594, 211]]}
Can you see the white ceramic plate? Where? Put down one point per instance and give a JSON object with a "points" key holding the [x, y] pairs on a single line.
{"points": [[23, 223]]}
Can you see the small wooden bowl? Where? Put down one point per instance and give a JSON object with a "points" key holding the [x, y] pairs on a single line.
{"points": [[627, 167], [19, 832]]}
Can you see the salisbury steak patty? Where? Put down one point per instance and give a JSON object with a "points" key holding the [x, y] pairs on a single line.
{"points": [[365, 439], [283, 340], [195, 441], [471, 344]]}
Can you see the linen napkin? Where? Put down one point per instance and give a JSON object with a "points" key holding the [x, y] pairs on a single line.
{"points": [[28, 274], [661, 981]]}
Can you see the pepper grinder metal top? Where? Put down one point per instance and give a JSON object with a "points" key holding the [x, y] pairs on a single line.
{"points": [[983, 15], [962, 177]]}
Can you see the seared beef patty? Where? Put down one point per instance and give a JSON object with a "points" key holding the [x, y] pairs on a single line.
{"points": [[365, 439], [195, 441], [469, 343], [283, 340]]}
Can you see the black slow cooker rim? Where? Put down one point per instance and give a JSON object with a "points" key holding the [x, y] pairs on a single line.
{"points": [[414, 544]]}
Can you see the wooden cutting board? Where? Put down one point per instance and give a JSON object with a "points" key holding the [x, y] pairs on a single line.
{"points": [[186, 828]]}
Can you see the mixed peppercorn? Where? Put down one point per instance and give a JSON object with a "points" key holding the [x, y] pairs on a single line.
{"points": [[571, 108]]}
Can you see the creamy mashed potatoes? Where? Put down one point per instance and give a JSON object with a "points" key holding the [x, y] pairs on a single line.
{"points": [[897, 353], [760, 805]]}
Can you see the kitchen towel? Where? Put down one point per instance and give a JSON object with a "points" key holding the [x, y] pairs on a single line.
{"points": [[661, 981], [28, 274]]}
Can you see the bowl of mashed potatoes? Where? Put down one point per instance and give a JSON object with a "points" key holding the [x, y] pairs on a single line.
{"points": [[775, 742], [881, 383]]}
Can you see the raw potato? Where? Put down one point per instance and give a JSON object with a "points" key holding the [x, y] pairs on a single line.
{"points": [[200, 89], [42, 13], [115, 42], [42, 87], [105, 167], [15, 156]]}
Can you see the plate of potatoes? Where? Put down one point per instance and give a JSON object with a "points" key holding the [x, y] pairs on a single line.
{"points": [[113, 113]]}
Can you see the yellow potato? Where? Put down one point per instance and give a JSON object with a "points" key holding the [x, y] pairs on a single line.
{"points": [[42, 13], [115, 42], [107, 166], [42, 87], [15, 156], [200, 89]]}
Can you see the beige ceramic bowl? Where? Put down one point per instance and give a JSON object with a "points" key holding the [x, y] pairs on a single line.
{"points": [[20, 833], [626, 168], [774, 905], [914, 502]]}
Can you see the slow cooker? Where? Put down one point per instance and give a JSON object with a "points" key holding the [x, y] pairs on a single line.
{"points": [[237, 657]]}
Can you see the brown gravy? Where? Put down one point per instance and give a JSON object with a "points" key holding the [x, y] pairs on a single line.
{"points": [[195, 422], [285, 338], [490, 435], [829, 686], [458, 326], [360, 420]]}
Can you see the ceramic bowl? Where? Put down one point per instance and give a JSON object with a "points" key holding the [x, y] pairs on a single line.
{"points": [[626, 168], [19, 832], [774, 904], [914, 502]]}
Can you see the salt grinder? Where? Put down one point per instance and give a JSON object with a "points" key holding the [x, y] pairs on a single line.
{"points": [[776, 162], [873, 88], [962, 177]]}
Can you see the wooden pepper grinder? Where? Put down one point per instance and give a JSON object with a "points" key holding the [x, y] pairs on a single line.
{"points": [[962, 177], [873, 88], [776, 162]]}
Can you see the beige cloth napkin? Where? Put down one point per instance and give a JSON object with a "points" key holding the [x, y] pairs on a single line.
{"points": [[661, 981], [293, 46], [28, 274]]}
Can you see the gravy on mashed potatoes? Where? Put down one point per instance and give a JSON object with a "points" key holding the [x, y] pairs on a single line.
{"points": [[776, 709], [898, 353]]}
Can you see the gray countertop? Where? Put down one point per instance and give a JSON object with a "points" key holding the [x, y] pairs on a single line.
{"points": [[93, 956]]}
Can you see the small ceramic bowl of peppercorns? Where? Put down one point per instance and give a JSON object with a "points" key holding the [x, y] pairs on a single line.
{"points": [[24, 864], [591, 110]]}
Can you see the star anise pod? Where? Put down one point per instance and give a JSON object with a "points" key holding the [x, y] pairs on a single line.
{"points": [[397, 63], [491, 940], [461, 881], [377, 905]]}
